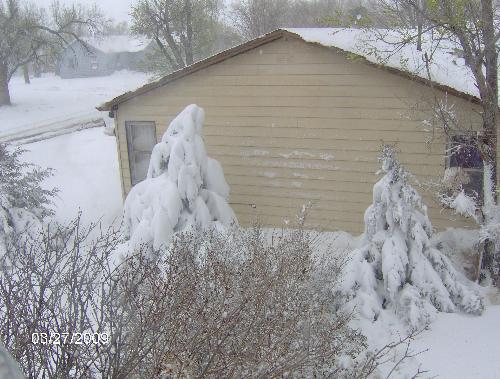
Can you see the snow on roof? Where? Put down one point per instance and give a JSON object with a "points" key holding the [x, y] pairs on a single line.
{"points": [[446, 68], [118, 43]]}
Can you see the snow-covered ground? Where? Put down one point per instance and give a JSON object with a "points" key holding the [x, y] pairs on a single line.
{"points": [[50, 102], [85, 162], [454, 346], [86, 172], [462, 346]]}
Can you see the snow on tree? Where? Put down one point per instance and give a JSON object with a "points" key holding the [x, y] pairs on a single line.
{"points": [[486, 215], [184, 187], [23, 201], [397, 268]]}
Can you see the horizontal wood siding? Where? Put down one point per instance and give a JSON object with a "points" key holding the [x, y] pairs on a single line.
{"points": [[293, 123]]}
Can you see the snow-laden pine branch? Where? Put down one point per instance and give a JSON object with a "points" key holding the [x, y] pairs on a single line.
{"points": [[184, 187], [397, 267]]}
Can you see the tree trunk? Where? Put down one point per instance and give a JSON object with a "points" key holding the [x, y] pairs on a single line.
{"points": [[26, 74], [4, 86], [37, 73], [189, 33], [420, 22], [489, 99]]}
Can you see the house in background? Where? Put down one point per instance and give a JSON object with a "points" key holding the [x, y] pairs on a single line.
{"points": [[297, 116], [102, 56]]}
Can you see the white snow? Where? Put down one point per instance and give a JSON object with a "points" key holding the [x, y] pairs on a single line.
{"points": [[464, 205], [455, 345], [462, 346], [184, 187], [446, 68], [327, 157], [269, 174], [86, 172], [118, 43], [254, 153], [297, 154], [51, 102], [397, 267]]}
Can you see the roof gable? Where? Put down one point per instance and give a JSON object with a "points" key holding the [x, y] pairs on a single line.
{"points": [[270, 37]]}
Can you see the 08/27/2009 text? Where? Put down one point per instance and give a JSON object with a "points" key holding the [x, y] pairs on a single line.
{"points": [[56, 338]]}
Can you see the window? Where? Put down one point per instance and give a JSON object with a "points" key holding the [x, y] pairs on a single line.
{"points": [[141, 138], [463, 154], [72, 62], [93, 62]]}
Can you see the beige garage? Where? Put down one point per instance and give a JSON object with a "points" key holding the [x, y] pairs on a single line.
{"points": [[293, 121]]}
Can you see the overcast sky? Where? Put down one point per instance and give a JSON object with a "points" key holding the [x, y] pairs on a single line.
{"points": [[116, 9]]}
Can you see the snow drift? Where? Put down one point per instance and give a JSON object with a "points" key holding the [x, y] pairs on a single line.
{"points": [[397, 267], [184, 187]]}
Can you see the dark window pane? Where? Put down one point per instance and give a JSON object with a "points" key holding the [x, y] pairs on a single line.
{"points": [[474, 187], [464, 153]]}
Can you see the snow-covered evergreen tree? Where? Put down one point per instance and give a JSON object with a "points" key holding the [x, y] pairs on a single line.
{"points": [[184, 187], [23, 201], [397, 268]]}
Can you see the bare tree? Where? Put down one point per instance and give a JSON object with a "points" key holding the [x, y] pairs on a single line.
{"points": [[254, 18], [28, 33], [182, 29]]}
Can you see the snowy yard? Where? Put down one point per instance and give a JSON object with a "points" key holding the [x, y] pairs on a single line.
{"points": [[86, 172], [51, 102], [459, 346], [462, 346], [85, 163]]}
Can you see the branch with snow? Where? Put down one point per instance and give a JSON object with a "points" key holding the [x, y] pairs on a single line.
{"points": [[397, 268], [184, 187]]}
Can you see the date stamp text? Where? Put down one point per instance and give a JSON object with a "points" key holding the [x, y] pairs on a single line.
{"points": [[55, 338]]}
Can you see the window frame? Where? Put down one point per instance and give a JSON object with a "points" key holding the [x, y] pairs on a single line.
{"points": [[448, 155], [129, 126]]}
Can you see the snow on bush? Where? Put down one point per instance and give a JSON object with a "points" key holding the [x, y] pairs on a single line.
{"points": [[397, 267], [23, 201], [464, 204], [486, 215], [184, 187]]}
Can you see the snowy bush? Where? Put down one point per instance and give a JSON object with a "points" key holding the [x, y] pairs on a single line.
{"points": [[59, 281], [184, 187], [23, 201], [397, 267], [234, 304], [223, 303]]}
